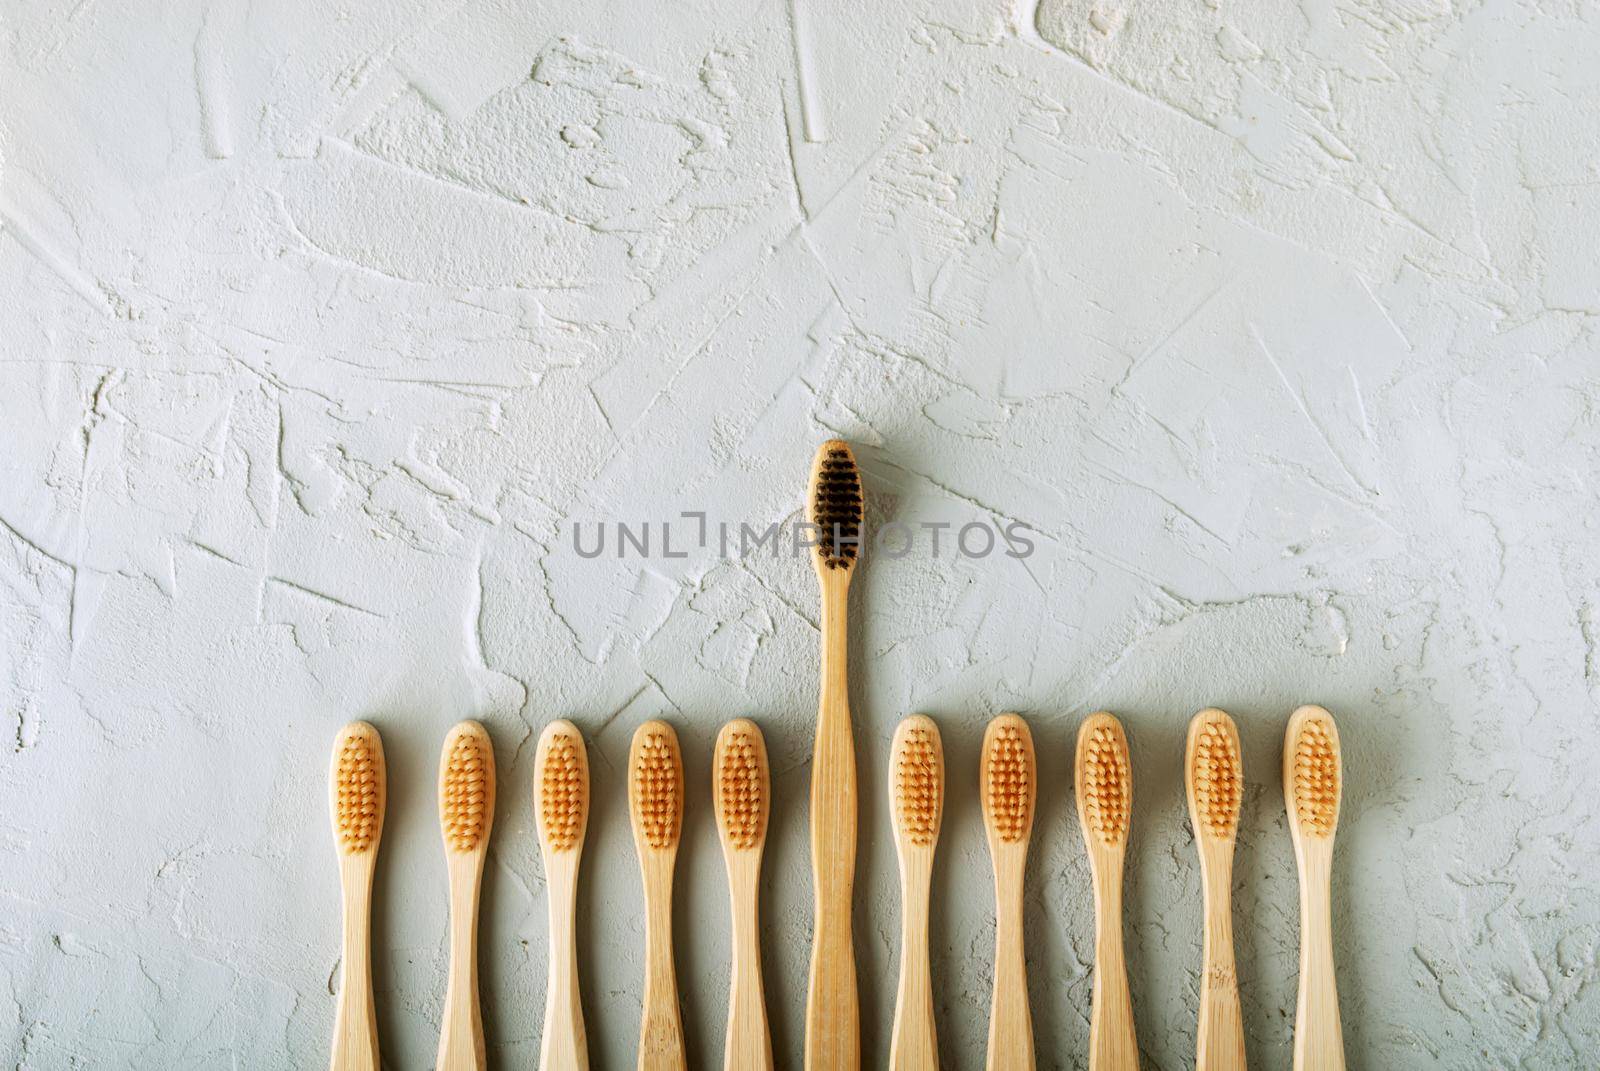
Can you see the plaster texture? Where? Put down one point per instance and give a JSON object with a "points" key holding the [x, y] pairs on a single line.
{"points": [[324, 323]]}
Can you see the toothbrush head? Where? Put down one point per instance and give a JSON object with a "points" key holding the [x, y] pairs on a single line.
{"points": [[655, 779], [357, 786], [1313, 771], [1008, 780], [561, 787], [835, 506], [916, 773], [1214, 775], [1104, 780], [743, 785], [466, 788]]}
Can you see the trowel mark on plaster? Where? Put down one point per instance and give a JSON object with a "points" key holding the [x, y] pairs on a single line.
{"points": [[211, 85], [1022, 20], [1327, 627], [319, 596], [430, 89], [805, 75], [369, 95], [794, 166], [1119, 387], [377, 79], [475, 623], [33, 625], [1305, 411], [1117, 479], [1589, 629], [19, 227], [1383, 310]]}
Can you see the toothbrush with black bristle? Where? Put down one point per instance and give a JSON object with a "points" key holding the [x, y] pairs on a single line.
{"points": [[833, 1018]]}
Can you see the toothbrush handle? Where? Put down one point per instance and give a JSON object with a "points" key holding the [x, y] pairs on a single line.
{"points": [[660, 1031], [565, 1046], [1112, 1044], [1318, 1037], [355, 1024], [1010, 1017], [833, 1028], [749, 1042], [461, 1044], [914, 1046], [1220, 1043]]}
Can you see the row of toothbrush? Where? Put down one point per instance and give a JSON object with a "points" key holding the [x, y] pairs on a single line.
{"points": [[1008, 784], [741, 793]]}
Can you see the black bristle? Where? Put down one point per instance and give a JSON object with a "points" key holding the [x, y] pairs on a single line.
{"points": [[836, 508]]}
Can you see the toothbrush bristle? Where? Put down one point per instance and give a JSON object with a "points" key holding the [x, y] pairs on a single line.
{"points": [[1105, 783], [1218, 778], [1008, 779], [563, 788], [657, 778], [742, 785], [358, 789], [465, 788], [836, 506], [1316, 778], [918, 764]]}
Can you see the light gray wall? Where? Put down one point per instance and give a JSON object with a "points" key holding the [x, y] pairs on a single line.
{"points": [[324, 322]]}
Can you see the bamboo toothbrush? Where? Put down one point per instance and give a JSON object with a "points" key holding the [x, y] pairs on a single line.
{"points": [[742, 789], [356, 791], [1008, 781], [833, 1026], [1312, 777], [655, 803], [1105, 805], [916, 793], [561, 807], [466, 814], [1213, 775]]}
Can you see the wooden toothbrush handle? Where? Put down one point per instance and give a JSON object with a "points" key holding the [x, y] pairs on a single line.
{"points": [[1318, 1037], [1112, 1044], [833, 1036], [565, 1046], [355, 1023], [914, 1044], [1220, 1041], [461, 1045], [833, 1029], [749, 1042], [660, 1031], [1010, 1017]]}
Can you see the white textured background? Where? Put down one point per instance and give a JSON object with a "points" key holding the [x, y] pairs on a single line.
{"points": [[322, 323]]}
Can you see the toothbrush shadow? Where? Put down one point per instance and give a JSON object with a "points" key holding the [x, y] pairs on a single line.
{"points": [[403, 766], [1155, 750], [1055, 835]]}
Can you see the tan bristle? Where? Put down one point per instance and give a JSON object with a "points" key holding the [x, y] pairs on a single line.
{"points": [[917, 766], [656, 773], [1008, 779], [836, 506], [1316, 778], [563, 787], [358, 789], [1105, 784], [465, 792], [1218, 775], [742, 783]]}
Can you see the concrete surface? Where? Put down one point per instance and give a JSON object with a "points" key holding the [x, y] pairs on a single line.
{"points": [[323, 324]]}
